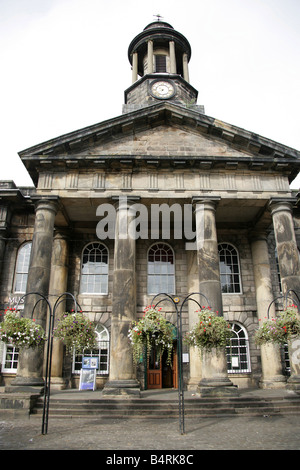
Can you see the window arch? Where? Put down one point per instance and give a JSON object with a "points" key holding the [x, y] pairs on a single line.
{"points": [[238, 356], [101, 352], [22, 267], [94, 269], [161, 269], [229, 269]]}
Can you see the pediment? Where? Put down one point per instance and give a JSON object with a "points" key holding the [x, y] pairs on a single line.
{"points": [[163, 141], [165, 132]]}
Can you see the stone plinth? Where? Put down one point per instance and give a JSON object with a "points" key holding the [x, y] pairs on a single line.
{"points": [[214, 380]]}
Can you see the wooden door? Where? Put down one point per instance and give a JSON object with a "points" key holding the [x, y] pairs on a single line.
{"points": [[154, 371]]}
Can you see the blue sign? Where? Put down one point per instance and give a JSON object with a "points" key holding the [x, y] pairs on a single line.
{"points": [[90, 362]]}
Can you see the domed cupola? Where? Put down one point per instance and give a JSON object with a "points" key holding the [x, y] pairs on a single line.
{"points": [[159, 58], [159, 49]]}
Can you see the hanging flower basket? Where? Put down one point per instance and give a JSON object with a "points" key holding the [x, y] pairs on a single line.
{"points": [[281, 329], [152, 331], [209, 332], [77, 332], [21, 332]]}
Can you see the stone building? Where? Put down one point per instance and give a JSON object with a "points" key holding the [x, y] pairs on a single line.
{"points": [[213, 214]]}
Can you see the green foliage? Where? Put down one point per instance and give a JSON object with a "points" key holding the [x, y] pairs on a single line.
{"points": [[281, 329], [21, 332], [77, 332], [209, 332], [152, 331]]}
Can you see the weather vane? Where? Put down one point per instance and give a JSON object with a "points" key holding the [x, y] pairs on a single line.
{"points": [[158, 17]]}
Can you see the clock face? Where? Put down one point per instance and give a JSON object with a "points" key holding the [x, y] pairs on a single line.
{"points": [[162, 89]]}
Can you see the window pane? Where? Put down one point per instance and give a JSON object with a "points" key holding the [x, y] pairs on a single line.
{"points": [[161, 276], [229, 269], [94, 269], [238, 356], [22, 267]]}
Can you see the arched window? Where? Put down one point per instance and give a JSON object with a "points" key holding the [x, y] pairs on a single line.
{"points": [[238, 357], [229, 269], [161, 269], [22, 267], [101, 352], [94, 269]]}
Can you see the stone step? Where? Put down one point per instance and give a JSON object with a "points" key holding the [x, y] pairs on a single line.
{"points": [[167, 409]]}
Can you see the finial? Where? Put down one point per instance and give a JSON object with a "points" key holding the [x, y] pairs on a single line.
{"points": [[158, 17]]}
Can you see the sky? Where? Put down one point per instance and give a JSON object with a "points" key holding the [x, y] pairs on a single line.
{"points": [[64, 66]]}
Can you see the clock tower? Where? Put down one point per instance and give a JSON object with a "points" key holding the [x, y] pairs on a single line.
{"points": [[159, 57]]}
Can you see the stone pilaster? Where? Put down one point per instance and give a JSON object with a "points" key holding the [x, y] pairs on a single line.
{"points": [[193, 283], [214, 381], [5, 215], [289, 267], [272, 376], [30, 367], [58, 286], [122, 377]]}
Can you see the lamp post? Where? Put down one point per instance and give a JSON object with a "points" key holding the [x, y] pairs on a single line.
{"points": [[52, 312], [175, 301]]}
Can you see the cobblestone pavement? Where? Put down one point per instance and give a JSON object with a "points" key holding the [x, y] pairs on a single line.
{"points": [[230, 433]]}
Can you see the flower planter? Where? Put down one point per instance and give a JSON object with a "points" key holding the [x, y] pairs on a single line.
{"points": [[152, 331], [21, 332], [76, 332]]}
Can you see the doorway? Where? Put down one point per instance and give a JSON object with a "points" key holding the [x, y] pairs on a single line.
{"points": [[159, 373]]}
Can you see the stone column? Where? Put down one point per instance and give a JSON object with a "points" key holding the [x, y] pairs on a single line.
{"points": [[272, 376], [172, 57], [185, 67], [58, 285], [134, 67], [150, 56], [207, 252], [288, 255], [122, 377], [289, 266], [214, 379], [30, 367]]}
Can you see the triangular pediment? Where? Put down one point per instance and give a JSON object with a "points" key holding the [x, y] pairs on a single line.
{"points": [[163, 131], [163, 141]]}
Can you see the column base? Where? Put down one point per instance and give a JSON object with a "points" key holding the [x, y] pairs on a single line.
{"points": [[192, 385], [57, 383], [217, 388], [273, 382], [293, 383], [122, 389], [26, 384]]}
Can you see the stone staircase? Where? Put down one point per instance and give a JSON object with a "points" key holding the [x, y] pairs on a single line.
{"points": [[145, 408]]}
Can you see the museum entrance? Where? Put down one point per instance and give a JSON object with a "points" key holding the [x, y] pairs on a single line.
{"points": [[160, 374]]}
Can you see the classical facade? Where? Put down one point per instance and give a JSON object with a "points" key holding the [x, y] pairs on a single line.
{"points": [[212, 211]]}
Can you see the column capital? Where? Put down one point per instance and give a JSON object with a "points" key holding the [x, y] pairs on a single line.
{"points": [[124, 202], [278, 204], [46, 202], [258, 235], [209, 202]]}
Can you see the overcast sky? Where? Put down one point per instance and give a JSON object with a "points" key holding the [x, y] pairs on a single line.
{"points": [[64, 65]]}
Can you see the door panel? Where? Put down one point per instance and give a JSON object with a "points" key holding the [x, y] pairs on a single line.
{"points": [[161, 375], [154, 372]]}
